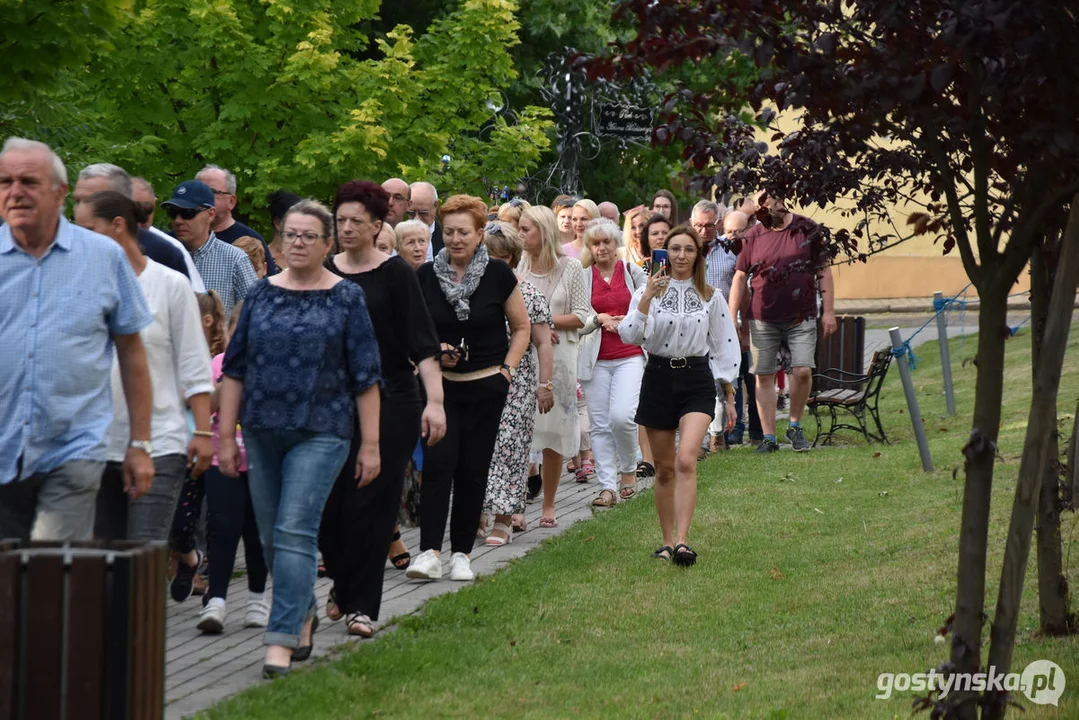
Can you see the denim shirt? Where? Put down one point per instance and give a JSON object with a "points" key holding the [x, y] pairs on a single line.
{"points": [[58, 315], [303, 356]]}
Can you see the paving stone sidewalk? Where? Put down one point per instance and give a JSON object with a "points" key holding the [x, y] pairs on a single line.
{"points": [[203, 669]]}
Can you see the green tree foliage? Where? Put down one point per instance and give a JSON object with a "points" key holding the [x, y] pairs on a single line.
{"points": [[39, 37], [289, 93]]}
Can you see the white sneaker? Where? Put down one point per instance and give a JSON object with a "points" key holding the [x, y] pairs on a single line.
{"points": [[427, 566], [258, 611], [461, 567], [212, 617]]}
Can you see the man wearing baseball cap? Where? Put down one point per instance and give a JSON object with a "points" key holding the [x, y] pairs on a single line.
{"points": [[224, 269]]}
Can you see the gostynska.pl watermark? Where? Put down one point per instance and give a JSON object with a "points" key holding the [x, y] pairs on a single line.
{"points": [[1042, 681]]}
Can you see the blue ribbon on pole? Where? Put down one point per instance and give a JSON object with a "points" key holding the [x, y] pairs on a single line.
{"points": [[906, 350]]}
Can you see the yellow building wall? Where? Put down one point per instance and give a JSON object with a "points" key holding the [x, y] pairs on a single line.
{"points": [[915, 268]]}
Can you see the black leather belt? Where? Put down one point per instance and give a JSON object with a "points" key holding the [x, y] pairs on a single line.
{"points": [[676, 363]]}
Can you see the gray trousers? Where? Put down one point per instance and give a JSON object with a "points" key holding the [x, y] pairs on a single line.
{"points": [[147, 519], [57, 505]]}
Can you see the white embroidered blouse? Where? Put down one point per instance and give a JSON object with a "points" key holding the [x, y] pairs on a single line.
{"points": [[681, 324]]}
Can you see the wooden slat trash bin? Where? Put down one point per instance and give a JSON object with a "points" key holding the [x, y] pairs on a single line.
{"points": [[82, 631]]}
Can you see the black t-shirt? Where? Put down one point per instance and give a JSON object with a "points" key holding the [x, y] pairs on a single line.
{"points": [[403, 326], [484, 332], [237, 230], [162, 252]]}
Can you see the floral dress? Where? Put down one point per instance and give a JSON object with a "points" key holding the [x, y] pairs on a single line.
{"points": [[506, 481]]}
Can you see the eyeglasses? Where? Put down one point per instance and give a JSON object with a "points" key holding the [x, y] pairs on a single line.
{"points": [[185, 213], [398, 197], [307, 238], [701, 228], [418, 213], [222, 192]]}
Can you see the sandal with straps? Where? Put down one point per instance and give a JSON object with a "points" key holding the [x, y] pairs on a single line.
{"points": [[402, 560], [606, 499], [664, 553], [684, 555], [495, 541], [360, 625]]}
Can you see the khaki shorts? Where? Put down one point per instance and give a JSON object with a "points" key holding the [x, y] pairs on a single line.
{"points": [[765, 339]]}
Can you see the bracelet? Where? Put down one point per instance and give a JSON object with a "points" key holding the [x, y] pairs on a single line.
{"points": [[202, 433]]}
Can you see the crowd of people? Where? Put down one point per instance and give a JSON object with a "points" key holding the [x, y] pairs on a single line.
{"points": [[308, 388]]}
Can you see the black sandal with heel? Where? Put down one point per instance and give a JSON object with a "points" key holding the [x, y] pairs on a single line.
{"points": [[405, 557]]}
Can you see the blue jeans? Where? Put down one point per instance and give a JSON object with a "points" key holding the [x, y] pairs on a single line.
{"points": [[291, 473]]}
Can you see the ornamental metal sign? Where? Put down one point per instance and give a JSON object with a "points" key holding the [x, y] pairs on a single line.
{"points": [[625, 122]]}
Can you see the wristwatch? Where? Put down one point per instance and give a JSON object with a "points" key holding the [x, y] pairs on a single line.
{"points": [[511, 370], [145, 445]]}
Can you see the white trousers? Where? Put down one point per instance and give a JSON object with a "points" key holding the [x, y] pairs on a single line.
{"points": [[612, 396]]}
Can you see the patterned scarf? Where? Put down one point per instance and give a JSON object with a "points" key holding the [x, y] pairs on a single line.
{"points": [[458, 293]]}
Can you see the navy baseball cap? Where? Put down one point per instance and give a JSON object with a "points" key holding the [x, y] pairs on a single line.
{"points": [[191, 194]]}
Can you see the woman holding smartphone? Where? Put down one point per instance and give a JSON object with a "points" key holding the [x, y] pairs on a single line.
{"points": [[685, 327]]}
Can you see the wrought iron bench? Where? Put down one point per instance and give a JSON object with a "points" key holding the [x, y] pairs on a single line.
{"points": [[855, 394]]}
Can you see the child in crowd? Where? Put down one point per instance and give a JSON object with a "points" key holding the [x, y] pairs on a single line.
{"points": [[230, 516], [256, 254], [189, 505]]}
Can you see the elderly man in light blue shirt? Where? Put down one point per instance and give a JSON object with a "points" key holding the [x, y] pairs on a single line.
{"points": [[67, 296]]}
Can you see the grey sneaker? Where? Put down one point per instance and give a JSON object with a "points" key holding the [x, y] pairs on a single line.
{"points": [[798, 440], [767, 446]]}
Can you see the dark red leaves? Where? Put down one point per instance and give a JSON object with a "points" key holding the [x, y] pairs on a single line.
{"points": [[940, 76], [920, 221]]}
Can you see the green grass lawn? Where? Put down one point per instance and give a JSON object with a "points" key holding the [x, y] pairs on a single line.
{"points": [[817, 572]]}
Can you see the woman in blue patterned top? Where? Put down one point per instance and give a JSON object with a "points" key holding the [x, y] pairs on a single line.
{"points": [[303, 353]]}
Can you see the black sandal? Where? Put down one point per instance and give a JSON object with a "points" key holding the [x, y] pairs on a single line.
{"points": [[684, 555], [659, 554], [645, 470], [405, 557]]}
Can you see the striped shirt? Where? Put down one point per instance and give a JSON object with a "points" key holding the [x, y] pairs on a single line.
{"points": [[719, 267], [226, 270], [58, 315]]}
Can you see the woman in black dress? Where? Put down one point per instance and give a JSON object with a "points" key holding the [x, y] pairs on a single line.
{"points": [[358, 522]]}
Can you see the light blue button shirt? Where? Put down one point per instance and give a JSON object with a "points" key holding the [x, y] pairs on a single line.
{"points": [[57, 318]]}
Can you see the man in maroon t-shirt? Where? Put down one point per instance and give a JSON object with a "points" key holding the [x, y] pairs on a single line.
{"points": [[784, 264]]}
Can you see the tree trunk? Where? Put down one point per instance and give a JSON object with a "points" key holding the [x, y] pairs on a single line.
{"points": [[1071, 484], [1041, 425], [1054, 613], [980, 453]]}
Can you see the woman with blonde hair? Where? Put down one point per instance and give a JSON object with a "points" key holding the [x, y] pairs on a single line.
{"points": [[584, 212], [631, 235], [531, 389], [685, 327], [561, 280], [510, 213]]}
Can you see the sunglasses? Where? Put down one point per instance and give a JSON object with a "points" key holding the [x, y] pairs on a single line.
{"points": [[185, 213]]}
